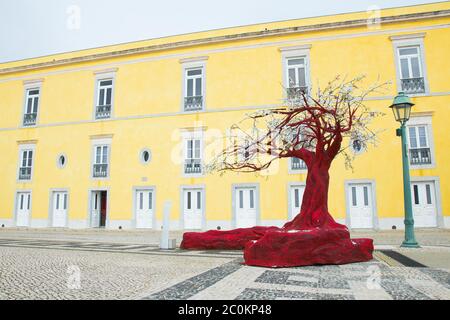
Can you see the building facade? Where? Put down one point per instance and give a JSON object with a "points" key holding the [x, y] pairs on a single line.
{"points": [[103, 137]]}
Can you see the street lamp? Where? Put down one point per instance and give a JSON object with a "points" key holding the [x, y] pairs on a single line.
{"points": [[401, 107]]}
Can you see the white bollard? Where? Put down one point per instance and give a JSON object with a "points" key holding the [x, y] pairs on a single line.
{"points": [[166, 243]]}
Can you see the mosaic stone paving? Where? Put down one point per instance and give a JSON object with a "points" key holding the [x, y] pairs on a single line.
{"points": [[371, 280], [138, 271]]}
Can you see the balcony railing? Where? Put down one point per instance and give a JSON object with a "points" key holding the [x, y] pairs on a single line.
{"points": [[29, 119], [296, 92], [193, 166], [103, 112], [25, 173], [100, 170], [420, 156], [193, 103], [413, 85], [297, 164]]}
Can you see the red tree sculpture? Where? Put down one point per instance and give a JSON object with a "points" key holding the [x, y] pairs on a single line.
{"points": [[311, 129]]}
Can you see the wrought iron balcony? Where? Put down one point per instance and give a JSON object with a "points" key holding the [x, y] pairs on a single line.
{"points": [[413, 85], [297, 164], [29, 119], [103, 112], [192, 166], [100, 170], [420, 156], [296, 92], [25, 173], [193, 103]]}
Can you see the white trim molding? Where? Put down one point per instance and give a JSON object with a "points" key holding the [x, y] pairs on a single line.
{"points": [[193, 59]]}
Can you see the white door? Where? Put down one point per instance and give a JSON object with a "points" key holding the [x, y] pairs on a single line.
{"points": [[59, 209], [296, 200], [95, 208], [361, 205], [144, 208], [245, 207], [192, 208], [424, 204], [23, 209]]}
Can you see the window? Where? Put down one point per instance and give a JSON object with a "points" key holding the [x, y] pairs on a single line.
{"points": [[31, 107], [193, 162], [193, 97], [411, 75], [296, 77], [101, 155], [357, 146], [419, 146], [145, 156], [104, 98], [61, 161], [409, 53], [26, 164], [297, 164]]}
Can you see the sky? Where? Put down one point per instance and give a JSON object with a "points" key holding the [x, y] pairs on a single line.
{"points": [[32, 28]]}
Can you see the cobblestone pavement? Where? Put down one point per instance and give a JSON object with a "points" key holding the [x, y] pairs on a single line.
{"points": [[108, 267], [429, 237]]}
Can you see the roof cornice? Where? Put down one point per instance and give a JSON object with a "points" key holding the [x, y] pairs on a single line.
{"points": [[227, 38]]}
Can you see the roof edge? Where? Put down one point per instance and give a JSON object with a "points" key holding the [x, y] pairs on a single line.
{"points": [[228, 38]]}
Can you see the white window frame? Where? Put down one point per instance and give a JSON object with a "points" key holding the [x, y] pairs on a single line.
{"points": [[22, 149], [288, 53], [192, 64], [426, 121], [100, 76], [192, 135], [101, 143], [404, 41], [30, 85]]}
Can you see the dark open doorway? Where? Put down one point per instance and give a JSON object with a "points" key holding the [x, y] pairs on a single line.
{"points": [[103, 208]]}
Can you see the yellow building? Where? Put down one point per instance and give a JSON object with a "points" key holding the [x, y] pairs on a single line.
{"points": [[104, 136]]}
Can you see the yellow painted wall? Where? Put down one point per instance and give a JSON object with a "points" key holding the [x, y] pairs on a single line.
{"points": [[240, 75]]}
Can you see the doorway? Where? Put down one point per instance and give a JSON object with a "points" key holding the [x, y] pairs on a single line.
{"points": [[193, 208], [99, 207], [295, 199], [361, 205], [144, 208], [23, 209], [59, 209], [246, 206], [424, 204]]}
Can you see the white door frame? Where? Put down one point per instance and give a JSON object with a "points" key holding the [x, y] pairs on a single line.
{"points": [[203, 190], [108, 205], [437, 191], [16, 205], [233, 201], [50, 206], [145, 188], [289, 197], [371, 182]]}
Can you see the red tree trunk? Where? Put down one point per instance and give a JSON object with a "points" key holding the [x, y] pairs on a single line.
{"points": [[312, 237]]}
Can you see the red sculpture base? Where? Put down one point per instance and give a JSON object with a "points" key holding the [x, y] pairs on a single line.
{"points": [[282, 247]]}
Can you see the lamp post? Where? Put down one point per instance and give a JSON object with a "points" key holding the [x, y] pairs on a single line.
{"points": [[401, 107]]}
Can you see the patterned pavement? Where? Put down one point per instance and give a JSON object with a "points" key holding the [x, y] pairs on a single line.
{"points": [[44, 269]]}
